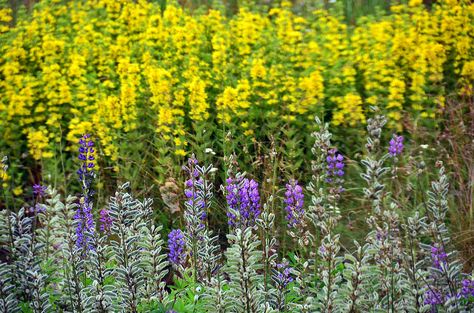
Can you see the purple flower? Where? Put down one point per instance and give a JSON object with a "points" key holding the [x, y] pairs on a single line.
{"points": [[282, 276], [39, 208], [380, 235], [467, 289], [85, 223], [396, 145], [438, 256], [335, 164], [85, 220], [335, 171], [294, 200], [242, 198], [86, 169], [433, 297], [176, 246], [105, 221], [39, 190], [191, 186]]}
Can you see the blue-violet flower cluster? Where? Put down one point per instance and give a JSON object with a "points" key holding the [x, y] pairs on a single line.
{"points": [[438, 256], [176, 245], [294, 200], [105, 221], [85, 221], [283, 275], [467, 288], [242, 197], [396, 145], [190, 190], [335, 164], [433, 297], [39, 190], [335, 171]]}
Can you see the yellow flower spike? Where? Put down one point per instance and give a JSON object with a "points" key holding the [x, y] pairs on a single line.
{"points": [[198, 99], [38, 144]]}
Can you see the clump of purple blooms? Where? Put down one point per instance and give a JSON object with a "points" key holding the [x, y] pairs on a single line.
{"points": [[105, 221], [39, 193], [467, 289], [39, 190], [87, 158], [283, 275], [335, 164], [85, 220], [335, 171], [242, 197], [396, 145], [433, 297], [294, 200], [438, 256], [176, 245], [190, 190]]}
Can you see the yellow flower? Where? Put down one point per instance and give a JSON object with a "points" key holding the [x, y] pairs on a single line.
{"points": [[198, 99], [180, 152], [350, 110], [258, 70], [313, 89], [17, 191], [38, 144], [249, 132], [396, 91], [415, 3], [3, 175]]}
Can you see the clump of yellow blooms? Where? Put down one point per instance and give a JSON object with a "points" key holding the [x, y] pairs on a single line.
{"points": [[313, 89], [38, 144], [198, 100], [118, 68], [5, 18], [349, 110], [233, 101]]}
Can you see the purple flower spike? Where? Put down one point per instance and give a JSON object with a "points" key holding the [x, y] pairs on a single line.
{"points": [[335, 171], [467, 289], [433, 297], [176, 246], [283, 275], [396, 145], [85, 223], [39, 190], [438, 256], [243, 196], [294, 200], [195, 203], [105, 221], [335, 164], [86, 176]]}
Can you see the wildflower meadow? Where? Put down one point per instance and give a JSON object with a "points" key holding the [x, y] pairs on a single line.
{"points": [[236, 156]]}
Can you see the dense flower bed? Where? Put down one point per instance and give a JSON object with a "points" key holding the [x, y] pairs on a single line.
{"points": [[237, 200], [169, 81], [60, 258]]}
